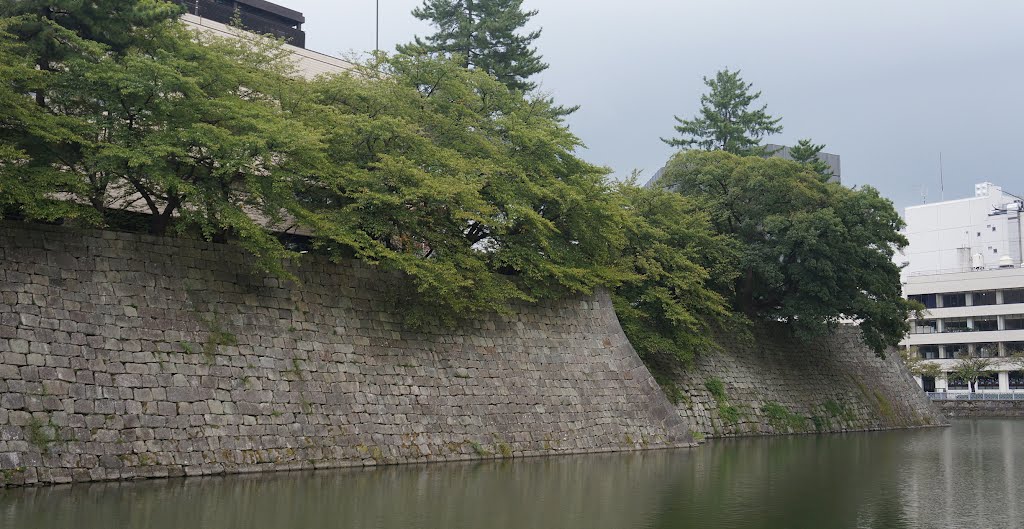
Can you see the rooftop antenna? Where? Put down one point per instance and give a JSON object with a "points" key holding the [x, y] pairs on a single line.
{"points": [[376, 43], [924, 194], [942, 181]]}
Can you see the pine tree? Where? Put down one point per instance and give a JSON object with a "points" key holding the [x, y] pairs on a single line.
{"points": [[726, 121], [806, 152], [484, 34]]}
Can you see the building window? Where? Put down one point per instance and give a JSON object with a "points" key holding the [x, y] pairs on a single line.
{"points": [[954, 300], [924, 327], [986, 324], [1013, 296], [1013, 322], [989, 381], [928, 352], [928, 300], [955, 325], [957, 350], [983, 298], [1014, 348], [1016, 379], [956, 383], [986, 350]]}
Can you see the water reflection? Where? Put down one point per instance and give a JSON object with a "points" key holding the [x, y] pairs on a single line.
{"points": [[961, 476]]}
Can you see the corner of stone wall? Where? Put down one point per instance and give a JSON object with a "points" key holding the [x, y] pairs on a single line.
{"points": [[778, 384]]}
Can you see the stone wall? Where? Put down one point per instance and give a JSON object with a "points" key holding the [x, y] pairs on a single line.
{"points": [[772, 383], [126, 356], [981, 408]]}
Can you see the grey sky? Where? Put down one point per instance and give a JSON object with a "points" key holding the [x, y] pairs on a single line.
{"points": [[885, 84]]}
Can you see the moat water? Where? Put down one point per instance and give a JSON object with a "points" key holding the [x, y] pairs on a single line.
{"points": [[968, 475]]}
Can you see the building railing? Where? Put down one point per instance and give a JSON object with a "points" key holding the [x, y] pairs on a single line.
{"points": [[964, 270], [965, 395]]}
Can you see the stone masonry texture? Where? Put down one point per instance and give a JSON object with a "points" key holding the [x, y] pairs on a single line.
{"points": [[128, 356], [982, 408], [772, 383]]}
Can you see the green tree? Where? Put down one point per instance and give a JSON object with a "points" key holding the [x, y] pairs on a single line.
{"points": [[483, 34], [31, 178], [971, 368], [811, 253], [726, 120], [806, 152], [919, 367], [470, 188], [676, 298], [194, 134]]}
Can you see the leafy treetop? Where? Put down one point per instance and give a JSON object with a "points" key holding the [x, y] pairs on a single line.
{"points": [[811, 253], [806, 152], [726, 120], [483, 34]]}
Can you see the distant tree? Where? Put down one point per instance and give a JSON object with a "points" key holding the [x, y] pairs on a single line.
{"points": [[483, 34], [806, 152], [971, 368], [919, 367], [726, 121], [811, 253]]}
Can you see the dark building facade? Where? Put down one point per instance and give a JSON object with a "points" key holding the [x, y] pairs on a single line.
{"points": [[258, 16]]}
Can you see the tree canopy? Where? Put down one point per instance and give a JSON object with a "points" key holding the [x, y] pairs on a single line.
{"points": [[676, 298], [454, 178], [726, 121], [811, 253], [482, 34], [470, 189], [806, 152]]}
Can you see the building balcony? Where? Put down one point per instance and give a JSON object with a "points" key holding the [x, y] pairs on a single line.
{"points": [[1005, 309], [942, 338]]}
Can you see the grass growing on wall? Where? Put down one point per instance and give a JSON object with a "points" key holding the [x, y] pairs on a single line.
{"points": [[729, 414], [780, 418]]}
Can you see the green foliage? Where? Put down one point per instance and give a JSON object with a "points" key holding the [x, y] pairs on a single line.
{"points": [[469, 189], [884, 406], [479, 449], [674, 298], [918, 366], [838, 411], [40, 435], [726, 121], [716, 388], [811, 252], [805, 152], [482, 34], [730, 414], [971, 368], [198, 135], [780, 418]]}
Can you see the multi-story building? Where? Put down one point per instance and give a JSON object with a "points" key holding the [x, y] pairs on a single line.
{"points": [[216, 16], [964, 265]]}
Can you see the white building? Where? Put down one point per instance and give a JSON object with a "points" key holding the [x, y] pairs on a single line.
{"points": [[964, 266]]}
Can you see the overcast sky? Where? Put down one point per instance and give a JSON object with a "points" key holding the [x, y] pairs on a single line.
{"points": [[887, 85]]}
